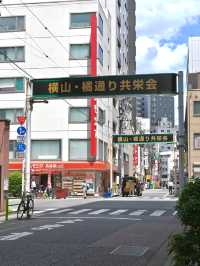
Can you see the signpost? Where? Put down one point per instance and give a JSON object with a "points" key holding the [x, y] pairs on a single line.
{"points": [[21, 131], [143, 138], [105, 86]]}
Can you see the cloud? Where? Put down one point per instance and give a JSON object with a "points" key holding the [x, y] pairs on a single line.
{"points": [[154, 58], [162, 19], [158, 22]]}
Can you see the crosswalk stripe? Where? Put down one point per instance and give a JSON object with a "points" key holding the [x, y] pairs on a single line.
{"points": [[118, 212], [99, 211], [50, 209], [80, 211], [157, 213], [38, 212], [138, 212], [60, 211]]}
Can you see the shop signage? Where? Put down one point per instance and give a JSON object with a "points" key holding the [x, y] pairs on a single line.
{"points": [[135, 154], [105, 86], [143, 138], [46, 166]]}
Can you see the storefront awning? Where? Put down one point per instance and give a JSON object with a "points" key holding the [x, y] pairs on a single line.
{"points": [[46, 166]]}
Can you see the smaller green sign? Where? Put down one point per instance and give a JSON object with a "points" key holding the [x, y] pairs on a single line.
{"points": [[143, 139]]}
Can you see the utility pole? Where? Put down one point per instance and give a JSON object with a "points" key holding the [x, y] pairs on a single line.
{"points": [[182, 180], [27, 157]]}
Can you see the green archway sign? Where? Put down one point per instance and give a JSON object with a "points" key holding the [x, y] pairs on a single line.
{"points": [[143, 138], [105, 86]]}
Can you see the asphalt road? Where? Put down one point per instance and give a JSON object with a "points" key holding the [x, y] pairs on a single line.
{"points": [[108, 232]]}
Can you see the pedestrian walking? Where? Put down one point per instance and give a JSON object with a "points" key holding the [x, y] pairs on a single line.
{"points": [[84, 187], [170, 187]]}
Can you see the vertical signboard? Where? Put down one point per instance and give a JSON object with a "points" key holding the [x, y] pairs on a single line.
{"points": [[135, 154]]}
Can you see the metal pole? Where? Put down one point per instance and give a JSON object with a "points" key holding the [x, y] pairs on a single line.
{"points": [[181, 130], [28, 138], [6, 216]]}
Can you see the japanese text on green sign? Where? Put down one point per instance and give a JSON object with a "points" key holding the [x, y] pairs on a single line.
{"points": [[142, 139], [105, 86]]}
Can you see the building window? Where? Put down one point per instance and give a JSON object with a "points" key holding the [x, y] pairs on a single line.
{"points": [[100, 150], [8, 85], [79, 115], [101, 116], [46, 149], [196, 170], [80, 20], [11, 114], [12, 149], [78, 149], [100, 54], [197, 141], [79, 51], [100, 24], [16, 54], [196, 108], [105, 151], [8, 24]]}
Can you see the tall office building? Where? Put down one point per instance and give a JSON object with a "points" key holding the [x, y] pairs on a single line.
{"points": [[161, 106], [49, 39]]}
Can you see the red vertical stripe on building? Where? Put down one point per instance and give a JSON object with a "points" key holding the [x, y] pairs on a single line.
{"points": [[93, 72], [93, 46]]}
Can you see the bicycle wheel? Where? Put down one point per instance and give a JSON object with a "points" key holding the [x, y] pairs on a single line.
{"points": [[21, 210], [30, 208]]}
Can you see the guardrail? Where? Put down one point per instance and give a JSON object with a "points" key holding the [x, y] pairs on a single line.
{"points": [[10, 205]]}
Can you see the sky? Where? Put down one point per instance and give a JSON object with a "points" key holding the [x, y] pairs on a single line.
{"points": [[162, 29]]}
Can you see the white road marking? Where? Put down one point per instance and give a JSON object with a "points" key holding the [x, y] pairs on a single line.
{"points": [[115, 249], [15, 236], [138, 212], [78, 220], [80, 211], [38, 212], [118, 212], [174, 213], [60, 211], [99, 211], [157, 213], [50, 209], [66, 222], [46, 226]]}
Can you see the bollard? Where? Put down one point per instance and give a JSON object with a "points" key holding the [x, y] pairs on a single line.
{"points": [[6, 217]]}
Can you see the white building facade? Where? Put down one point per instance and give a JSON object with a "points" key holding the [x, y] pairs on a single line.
{"points": [[49, 39]]}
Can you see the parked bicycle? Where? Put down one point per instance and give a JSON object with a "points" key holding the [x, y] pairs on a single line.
{"points": [[26, 206]]}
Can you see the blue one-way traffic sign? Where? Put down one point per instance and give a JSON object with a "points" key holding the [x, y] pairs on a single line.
{"points": [[21, 131]]}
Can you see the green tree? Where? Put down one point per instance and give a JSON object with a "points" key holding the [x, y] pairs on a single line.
{"points": [[185, 247], [15, 183]]}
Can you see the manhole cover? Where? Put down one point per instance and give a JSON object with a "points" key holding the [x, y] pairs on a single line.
{"points": [[130, 251]]}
